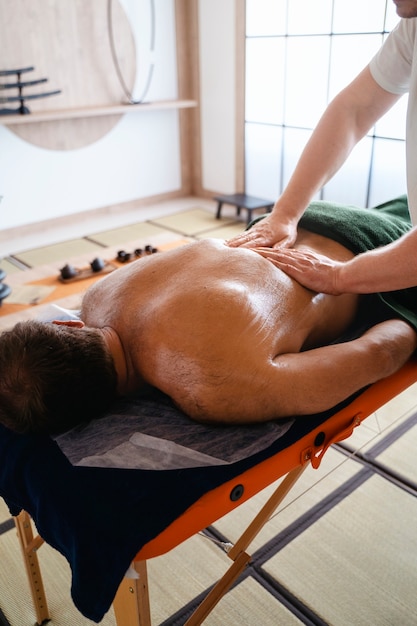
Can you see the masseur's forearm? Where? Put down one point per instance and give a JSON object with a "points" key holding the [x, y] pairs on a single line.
{"points": [[346, 120], [387, 268], [327, 149]]}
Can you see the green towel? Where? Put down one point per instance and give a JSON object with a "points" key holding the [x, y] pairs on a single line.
{"points": [[360, 230], [357, 229]]}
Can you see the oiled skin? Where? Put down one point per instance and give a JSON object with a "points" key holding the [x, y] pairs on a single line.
{"points": [[220, 330]]}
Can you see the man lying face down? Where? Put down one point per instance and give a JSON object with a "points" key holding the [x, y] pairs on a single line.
{"points": [[222, 331]]}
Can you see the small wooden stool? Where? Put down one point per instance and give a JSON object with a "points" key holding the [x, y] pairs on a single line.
{"points": [[242, 201]]}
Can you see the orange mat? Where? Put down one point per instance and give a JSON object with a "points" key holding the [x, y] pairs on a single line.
{"points": [[63, 290]]}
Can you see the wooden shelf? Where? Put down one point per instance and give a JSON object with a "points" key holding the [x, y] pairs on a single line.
{"points": [[96, 111]]}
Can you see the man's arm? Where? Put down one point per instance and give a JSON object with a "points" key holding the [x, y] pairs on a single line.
{"points": [[316, 380], [346, 120]]}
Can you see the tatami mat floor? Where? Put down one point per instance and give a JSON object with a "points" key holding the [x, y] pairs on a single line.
{"points": [[341, 551], [190, 217]]}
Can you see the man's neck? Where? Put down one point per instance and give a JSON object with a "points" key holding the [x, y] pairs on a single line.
{"points": [[125, 380]]}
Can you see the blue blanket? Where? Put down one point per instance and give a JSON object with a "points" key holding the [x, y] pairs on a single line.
{"points": [[100, 517]]}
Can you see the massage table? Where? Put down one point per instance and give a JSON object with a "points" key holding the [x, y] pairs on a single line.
{"points": [[132, 485], [108, 513]]}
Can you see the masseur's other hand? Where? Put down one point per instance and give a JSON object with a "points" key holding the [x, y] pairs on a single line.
{"points": [[311, 270], [270, 231]]}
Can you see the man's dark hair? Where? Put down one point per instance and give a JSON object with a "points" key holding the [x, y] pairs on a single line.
{"points": [[53, 377]]}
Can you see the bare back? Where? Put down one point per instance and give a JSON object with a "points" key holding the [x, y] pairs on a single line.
{"points": [[204, 322]]}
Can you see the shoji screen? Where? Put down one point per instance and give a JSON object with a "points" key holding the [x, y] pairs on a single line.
{"points": [[299, 54]]}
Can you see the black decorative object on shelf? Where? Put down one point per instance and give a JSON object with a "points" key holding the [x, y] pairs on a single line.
{"points": [[19, 85], [5, 290]]}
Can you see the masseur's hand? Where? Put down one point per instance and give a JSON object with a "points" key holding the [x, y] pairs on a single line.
{"points": [[311, 270], [270, 231]]}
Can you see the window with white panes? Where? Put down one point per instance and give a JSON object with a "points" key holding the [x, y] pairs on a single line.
{"points": [[299, 55]]}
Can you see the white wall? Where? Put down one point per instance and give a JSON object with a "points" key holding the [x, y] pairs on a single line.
{"points": [[217, 19], [139, 157]]}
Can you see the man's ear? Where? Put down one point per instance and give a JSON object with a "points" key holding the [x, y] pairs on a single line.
{"points": [[73, 323]]}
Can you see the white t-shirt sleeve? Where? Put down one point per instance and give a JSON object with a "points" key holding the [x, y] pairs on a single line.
{"points": [[391, 66]]}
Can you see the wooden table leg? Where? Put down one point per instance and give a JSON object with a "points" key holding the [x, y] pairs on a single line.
{"points": [[131, 604], [29, 545]]}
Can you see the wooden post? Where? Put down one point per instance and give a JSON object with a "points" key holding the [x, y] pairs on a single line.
{"points": [[30, 545], [131, 604]]}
